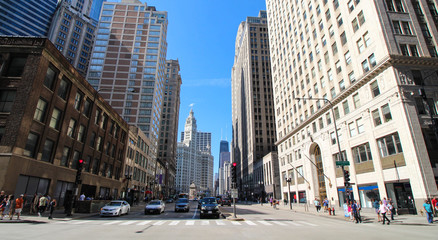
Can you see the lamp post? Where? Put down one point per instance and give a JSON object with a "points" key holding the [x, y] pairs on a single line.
{"points": [[289, 180], [337, 137], [128, 177]]}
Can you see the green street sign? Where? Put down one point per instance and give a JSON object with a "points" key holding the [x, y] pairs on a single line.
{"points": [[342, 163]]}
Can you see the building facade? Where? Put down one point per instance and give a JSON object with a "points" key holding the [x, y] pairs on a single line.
{"points": [[224, 158], [26, 17], [168, 137], [51, 118], [370, 68], [252, 103], [193, 165], [128, 63], [73, 31]]}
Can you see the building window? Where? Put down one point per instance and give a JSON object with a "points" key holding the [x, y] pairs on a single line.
{"points": [[389, 145], [65, 156], [55, 119], [386, 113], [64, 88], [352, 128], [375, 91], [40, 111], [47, 151], [360, 127], [78, 100], [337, 114], [31, 144], [346, 107], [356, 101], [347, 58], [81, 133], [333, 137], [6, 100], [343, 38], [376, 117], [16, 67], [362, 153], [49, 80], [365, 66], [71, 128]]}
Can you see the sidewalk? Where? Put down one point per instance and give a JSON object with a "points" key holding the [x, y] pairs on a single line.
{"points": [[58, 215], [368, 215]]}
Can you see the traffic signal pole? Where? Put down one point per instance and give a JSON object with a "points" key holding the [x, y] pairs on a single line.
{"points": [[76, 184]]}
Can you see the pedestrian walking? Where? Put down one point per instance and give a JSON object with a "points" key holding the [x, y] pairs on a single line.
{"points": [[325, 204], [3, 204], [317, 205], [434, 202], [350, 213], [428, 208], [8, 203], [355, 210], [42, 205], [82, 197], [18, 207], [52, 206], [376, 206], [391, 209], [383, 209], [270, 200], [34, 204]]}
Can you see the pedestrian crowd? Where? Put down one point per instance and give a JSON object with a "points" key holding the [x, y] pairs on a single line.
{"points": [[11, 206]]}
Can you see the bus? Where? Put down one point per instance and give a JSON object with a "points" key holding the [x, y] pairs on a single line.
{"points": [[183, 195]]}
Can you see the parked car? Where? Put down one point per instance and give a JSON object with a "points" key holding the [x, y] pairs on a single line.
{"points": [[226, 201], [209, 207], [115, 208], [182, 204], [155, 206], [170, 200]]}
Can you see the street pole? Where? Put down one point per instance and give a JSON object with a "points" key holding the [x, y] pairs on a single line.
{"points": [[288, 180]]}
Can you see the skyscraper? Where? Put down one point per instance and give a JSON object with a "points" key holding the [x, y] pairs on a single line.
{"points": [[26, 17], [223, 148], [193, 164], [73, 32], [168, 138], [128, 62], [224, 158], [252, 103], [370, 68]]}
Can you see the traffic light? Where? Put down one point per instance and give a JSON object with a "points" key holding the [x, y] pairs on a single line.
{"points": [[234, 173], [346, 178], [79, 172]]}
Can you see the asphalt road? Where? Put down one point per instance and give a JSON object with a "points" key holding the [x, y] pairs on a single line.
{"points": [[260, 223]]}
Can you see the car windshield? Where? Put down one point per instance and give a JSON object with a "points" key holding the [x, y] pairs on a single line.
{"points": [[115, 204], [209, 200], [154, 203], [183, 200]]}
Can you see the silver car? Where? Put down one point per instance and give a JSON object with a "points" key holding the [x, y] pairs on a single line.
{"points": [[154, 206], [115, 208]]}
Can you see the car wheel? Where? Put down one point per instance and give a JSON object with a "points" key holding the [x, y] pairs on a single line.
{"points": [[127, 212], [120, 213]]}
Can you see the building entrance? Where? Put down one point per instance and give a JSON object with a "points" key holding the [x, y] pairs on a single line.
{"points": [[320, 171]]}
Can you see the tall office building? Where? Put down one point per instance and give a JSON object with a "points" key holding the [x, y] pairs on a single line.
{"points": [[73, 32], [193, 164], [168, 138], [96, 7], [223, 148], [252, 104], [370, 68], [26, 17], [128, 63], [224, 158]]}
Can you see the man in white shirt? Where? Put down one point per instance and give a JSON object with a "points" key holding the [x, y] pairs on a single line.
{"points": [[82, 197]]}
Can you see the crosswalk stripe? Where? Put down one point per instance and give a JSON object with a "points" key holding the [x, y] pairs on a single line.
{"points": [[295, 224], [173, 223], [128, 222], [143, 223], [250, 223], [80, 222], [265, 223], [190, 222], [279, 223], [159, 223], [220, 222], [205, 223], [306, 223], [236, 223], [111, 223]]}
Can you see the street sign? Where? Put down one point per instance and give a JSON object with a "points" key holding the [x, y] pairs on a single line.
{"points": [[342, 163], [234, 193]]}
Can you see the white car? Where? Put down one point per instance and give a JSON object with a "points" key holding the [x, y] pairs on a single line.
{"points": [[115, 208], [154, 206]]}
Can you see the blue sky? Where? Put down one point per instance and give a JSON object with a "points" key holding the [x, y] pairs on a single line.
{"points": [[201, 35]]}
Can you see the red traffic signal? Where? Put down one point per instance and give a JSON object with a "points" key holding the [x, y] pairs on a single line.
{"points": [[234, 164], [81, 161]]}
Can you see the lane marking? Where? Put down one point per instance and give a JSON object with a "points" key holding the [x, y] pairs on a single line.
{"points": [[194, 215], [173, 223], [143, 223], [128, 222], [113, 222], [265, 223], [295, 224], [80, 222], [205, 222], [279, 223], [236, 223], [250, 223], [219, 222], [159, 223], [306, 223], [189, 223]]}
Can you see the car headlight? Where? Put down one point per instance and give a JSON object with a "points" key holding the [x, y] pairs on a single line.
{"points": [[203, 208], [217, 207]]}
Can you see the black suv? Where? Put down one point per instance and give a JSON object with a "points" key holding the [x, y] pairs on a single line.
{"points": [[209, 207], [182, 204]]}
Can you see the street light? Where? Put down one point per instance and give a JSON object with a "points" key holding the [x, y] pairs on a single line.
{"points": [[337, 135]]}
